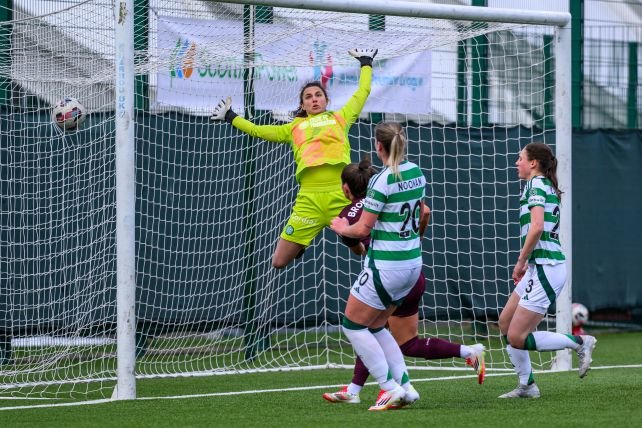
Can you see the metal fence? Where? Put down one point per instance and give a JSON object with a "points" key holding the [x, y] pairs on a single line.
{"points": [[610, 85]]}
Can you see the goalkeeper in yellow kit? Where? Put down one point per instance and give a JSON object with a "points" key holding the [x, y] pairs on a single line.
{"points": [[319, 141]]}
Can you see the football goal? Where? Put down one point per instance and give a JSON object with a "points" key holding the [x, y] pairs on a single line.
{"points": [[138, 244]]}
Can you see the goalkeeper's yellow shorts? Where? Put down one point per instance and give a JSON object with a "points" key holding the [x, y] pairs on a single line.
{"points": [[313, 210]]}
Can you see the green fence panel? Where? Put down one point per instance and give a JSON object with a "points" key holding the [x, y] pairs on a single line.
{"points": [[607, 219]]}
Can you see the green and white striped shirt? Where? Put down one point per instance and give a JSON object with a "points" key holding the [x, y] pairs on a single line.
{"points": [[539, 191], [395, 242]]}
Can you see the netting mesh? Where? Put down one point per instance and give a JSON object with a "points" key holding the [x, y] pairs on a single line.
{"points": [[211, 202]]}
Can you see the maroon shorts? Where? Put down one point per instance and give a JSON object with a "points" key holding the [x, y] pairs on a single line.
{"points": [[410, 305]]}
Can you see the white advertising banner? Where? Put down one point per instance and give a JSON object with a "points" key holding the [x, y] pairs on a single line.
{"points": [[196, 79]]}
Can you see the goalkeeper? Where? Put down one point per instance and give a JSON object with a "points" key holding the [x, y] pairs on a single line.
{"points": [[319, 141]]}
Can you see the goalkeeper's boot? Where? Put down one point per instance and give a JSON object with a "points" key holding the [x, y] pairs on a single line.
{"points": [[389, 399], [477, 361], [584, 354], [523, 391], [342, 396]]}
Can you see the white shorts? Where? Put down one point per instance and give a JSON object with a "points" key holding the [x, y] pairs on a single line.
{"points": [[381, 288], [540, 286]]}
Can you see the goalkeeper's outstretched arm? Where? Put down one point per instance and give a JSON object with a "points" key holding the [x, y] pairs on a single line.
{"points": [[275, 133], [351, 111]]}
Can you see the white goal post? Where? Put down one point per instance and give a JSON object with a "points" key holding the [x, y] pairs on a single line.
{"points": [[139, 245], [125, 202]]}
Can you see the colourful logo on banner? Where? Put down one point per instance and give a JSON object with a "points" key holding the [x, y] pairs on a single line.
{"points": [[182, 59], [322, 63]]}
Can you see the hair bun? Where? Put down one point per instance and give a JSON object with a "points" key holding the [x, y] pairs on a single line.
{"points": [[364, 164]]}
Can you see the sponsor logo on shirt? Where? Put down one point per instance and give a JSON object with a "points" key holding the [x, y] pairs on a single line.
{"points": [[536, 199], [318, 121]]}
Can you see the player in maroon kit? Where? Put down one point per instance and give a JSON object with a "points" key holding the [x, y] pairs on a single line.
{"points": [[403, 323]]}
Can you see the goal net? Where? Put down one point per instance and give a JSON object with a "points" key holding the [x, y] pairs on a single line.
{"points": [[211, 202]]}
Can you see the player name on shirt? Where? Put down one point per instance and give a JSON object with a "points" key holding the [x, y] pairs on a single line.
{"points": [[352, 213], [354, 210], [410, 184]]}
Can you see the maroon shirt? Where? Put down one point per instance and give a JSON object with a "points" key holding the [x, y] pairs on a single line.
{"points": [[353, 212]]}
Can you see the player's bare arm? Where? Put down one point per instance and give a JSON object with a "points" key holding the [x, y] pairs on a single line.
{"points": [[424, 218], [359, 230]]}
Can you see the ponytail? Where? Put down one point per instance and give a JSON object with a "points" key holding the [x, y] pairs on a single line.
{"points": [[393, 138], [551, 174], [547, 163]]}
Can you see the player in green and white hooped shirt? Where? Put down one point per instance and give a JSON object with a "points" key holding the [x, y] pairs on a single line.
{"points": [[539, 274], [392, 209]]}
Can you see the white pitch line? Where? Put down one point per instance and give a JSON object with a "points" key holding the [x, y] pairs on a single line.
{"points": [[79, 403], [302, 388]]}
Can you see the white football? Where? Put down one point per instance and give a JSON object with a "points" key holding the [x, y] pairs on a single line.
{"points": [[580, 314], [68, 113]]}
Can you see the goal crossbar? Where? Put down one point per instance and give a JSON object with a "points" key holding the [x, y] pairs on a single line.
{"points": [[422, 10]]}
